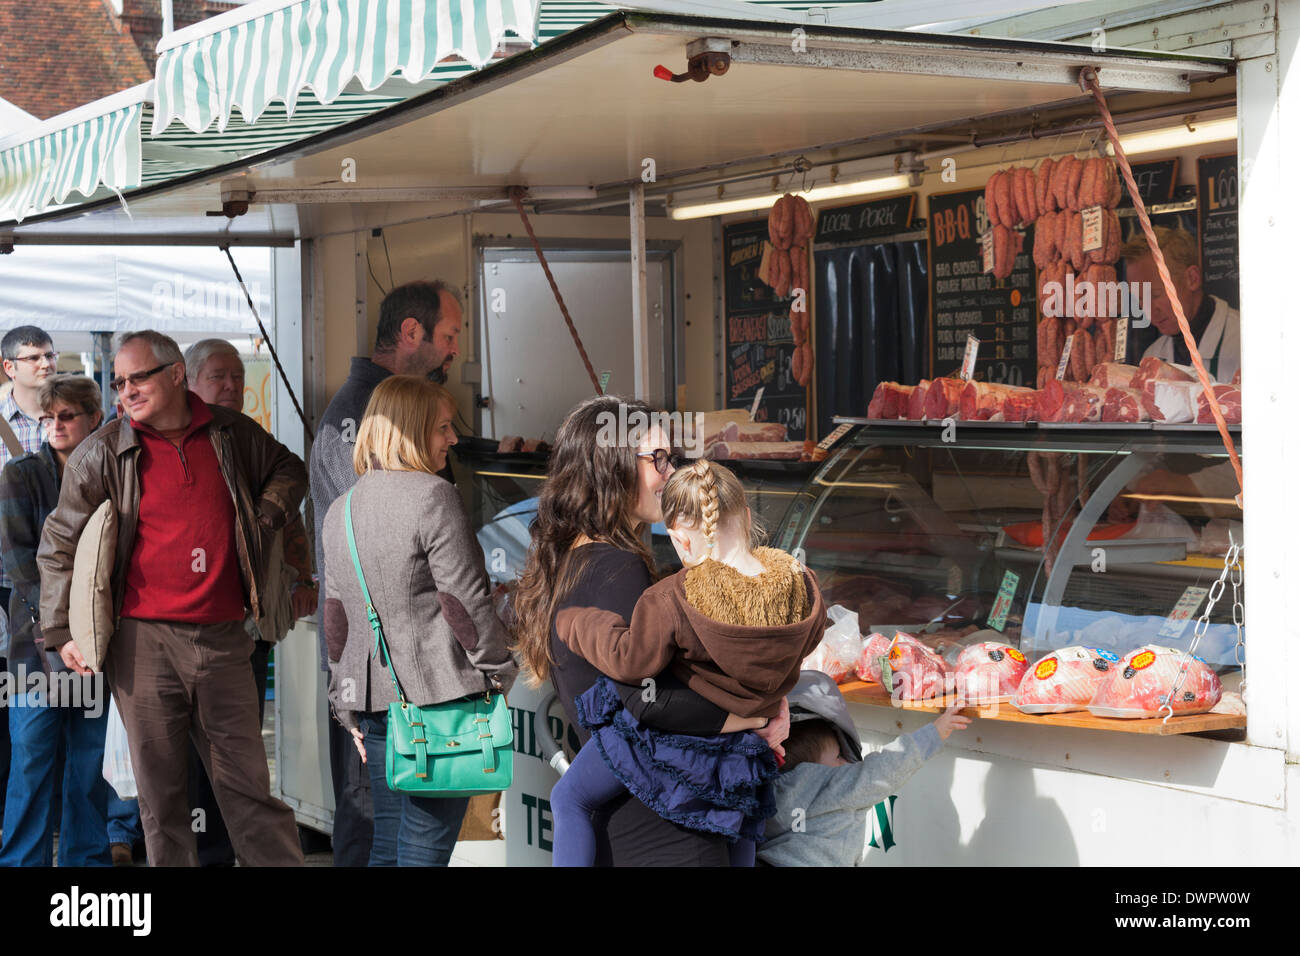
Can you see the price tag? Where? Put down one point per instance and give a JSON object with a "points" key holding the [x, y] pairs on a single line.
{"points": [[968, 360], [839, 432], [604, 381], [1065, 358], [1183, 611], [1002, 605], [986, 250], [1121, 338], [758, 397], [1092, 234]]}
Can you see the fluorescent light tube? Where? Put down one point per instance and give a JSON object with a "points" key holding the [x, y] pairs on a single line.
{"points": [[1180, 137], [724, 207]]}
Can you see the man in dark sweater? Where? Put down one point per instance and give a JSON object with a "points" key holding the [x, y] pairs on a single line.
{"points": [[418, 334]]}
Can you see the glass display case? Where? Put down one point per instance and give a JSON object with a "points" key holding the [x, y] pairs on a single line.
{"points": [[918, 528]]}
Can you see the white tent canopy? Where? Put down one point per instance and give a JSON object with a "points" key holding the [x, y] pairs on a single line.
{"points": [[84, 289]]}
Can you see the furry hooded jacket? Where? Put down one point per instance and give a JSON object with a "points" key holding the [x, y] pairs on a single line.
{"points": [[735, 640]]}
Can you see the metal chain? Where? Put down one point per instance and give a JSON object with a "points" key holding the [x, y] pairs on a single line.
{"points": [[1231, 562]]}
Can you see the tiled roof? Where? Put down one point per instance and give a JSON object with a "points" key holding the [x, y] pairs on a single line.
{"points": [[61, 54]]}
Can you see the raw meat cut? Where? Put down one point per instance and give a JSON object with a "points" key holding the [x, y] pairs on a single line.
{"points": [[989, 671], [943, 398], [1236, 378], [1083, 404], [1140, 684], [1152, 369], [890, 400], [1051, 399], [1170, 402], [918, 672], [1064, 680], [722, 450], [868, 666], [983, 401], [510, 445], [1228, 398], [753, 431], [1113, 375], [1123, 405], [916, 401]]}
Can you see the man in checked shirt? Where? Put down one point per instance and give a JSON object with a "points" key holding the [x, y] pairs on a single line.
{"points": [[29, 359]]}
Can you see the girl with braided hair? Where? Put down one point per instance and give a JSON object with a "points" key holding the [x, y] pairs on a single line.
{"points": [[733, 625]]}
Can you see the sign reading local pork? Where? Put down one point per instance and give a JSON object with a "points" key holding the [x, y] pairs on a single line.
{"points": [[868, 220], [966, 301], [758, 344], [1216, 213]]}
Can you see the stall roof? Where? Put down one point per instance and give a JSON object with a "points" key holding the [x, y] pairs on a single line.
{"points": [[585, 110]]}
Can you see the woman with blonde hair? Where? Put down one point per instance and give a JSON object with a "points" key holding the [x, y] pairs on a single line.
{"points": [[428, 584]]}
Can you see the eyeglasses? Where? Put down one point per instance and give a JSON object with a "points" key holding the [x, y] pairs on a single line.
{"points": [[64, 417], [39, 357], [136, 378], [665, 461]]}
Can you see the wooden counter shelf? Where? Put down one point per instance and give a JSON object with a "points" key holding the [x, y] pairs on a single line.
{"points": [[873, 695]]}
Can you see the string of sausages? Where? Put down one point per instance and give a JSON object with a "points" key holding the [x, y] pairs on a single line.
{"points": [[1088, 82]]}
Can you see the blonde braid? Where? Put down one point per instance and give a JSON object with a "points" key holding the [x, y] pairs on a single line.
{"points": [[709, 505]]}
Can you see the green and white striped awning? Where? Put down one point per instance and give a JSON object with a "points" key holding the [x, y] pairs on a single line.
{"points": [[94, 146], [272, 50]]}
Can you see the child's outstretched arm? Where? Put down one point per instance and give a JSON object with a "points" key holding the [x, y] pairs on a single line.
{"points": [[625, 652], [884, 772]]}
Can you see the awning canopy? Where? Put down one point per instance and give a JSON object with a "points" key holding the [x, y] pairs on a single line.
{"points": [[272, 50], [97, 145], [585, 109]]}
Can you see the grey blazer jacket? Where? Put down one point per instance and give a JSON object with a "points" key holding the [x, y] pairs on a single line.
{"points": [[427, 579]]}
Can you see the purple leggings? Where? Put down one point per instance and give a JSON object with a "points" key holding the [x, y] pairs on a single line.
{"points": [[587, 786]]}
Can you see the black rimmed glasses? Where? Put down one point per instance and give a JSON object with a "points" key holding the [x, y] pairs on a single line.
{"points": [[137, 378], [665, 462]]}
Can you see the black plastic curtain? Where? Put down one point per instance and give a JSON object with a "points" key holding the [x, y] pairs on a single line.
{"points": [[872, 302]]}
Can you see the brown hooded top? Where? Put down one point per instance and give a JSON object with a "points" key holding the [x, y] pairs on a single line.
{"points": [[735, 640]]}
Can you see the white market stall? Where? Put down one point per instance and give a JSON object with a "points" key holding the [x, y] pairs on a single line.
{"points": [[853, 99]]}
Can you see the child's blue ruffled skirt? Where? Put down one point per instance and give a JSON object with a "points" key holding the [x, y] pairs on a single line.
{"points": [[718, 784]]}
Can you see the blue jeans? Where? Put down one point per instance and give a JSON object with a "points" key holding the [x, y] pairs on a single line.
{"points": [[123, 820], [409, 831], [36, 730]]}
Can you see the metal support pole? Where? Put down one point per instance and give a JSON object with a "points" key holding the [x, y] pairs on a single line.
{"points": [[640, 301], [104, 347]]}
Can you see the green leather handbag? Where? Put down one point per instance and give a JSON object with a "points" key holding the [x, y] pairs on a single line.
{"points": [[461, 748]]}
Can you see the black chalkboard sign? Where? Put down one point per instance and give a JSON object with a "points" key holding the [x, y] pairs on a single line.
{"points": [[868, 220], [1216, 215], [1155, 182], [964, 300], [757, 343]]}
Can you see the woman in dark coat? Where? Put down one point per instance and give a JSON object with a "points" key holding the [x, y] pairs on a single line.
{"points": [[601, 492]]}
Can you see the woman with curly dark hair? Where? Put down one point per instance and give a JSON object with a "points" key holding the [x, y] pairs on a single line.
{"points": [[601, 493]]}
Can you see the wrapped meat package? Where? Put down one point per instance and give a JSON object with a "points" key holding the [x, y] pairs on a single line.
{"points": [[989, 672], [1064, 680], [823, 659], [868, 666], [918, 672], [1140, 684], [840, 646]]}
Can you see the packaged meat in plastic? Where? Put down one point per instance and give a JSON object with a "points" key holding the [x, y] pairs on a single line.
{"points": [[918, 672], [1064, 680], [823, 659], [875, 647], [989, 671], [838, 652], [1140, 684]]}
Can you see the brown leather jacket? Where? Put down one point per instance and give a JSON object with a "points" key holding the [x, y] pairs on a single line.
{"points": [[265, 479]]}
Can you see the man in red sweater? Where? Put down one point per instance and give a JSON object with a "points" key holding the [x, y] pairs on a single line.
{"points": [[199, 491]]}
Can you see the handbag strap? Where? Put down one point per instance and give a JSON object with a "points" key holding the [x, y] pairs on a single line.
{"points": [[381, 646]]}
